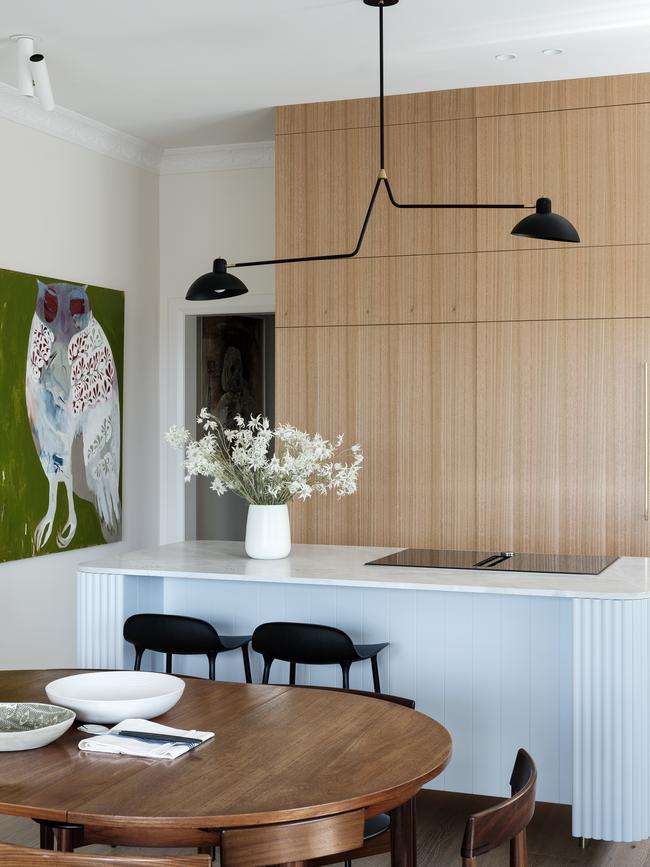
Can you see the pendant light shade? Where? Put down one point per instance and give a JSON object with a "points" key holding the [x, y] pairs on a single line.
{"points": [[217, 284], [545, 225]]}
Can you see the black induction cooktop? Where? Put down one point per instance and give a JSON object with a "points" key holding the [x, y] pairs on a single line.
{"points": [[508, 561]]}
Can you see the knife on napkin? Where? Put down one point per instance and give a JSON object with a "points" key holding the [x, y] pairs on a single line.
{"points": [[145, 739], [154, 737]]}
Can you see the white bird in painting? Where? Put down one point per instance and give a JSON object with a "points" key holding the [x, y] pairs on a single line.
{"points": [[71, 389]]}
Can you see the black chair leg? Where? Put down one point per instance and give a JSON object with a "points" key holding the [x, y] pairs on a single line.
{"points": [[168, 663], [139, 651], [247, 663], [345, 668], [375, 674], [212, 658], [292, 673], [267, 670], [46, 837]]}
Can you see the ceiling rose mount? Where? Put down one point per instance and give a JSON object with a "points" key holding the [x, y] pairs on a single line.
{"points": [[542, 225]]}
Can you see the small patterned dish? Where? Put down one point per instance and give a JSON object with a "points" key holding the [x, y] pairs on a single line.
{"points": [[28, 726]]}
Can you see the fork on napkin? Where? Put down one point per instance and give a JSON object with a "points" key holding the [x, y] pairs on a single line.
{"points": [[120, 745]]}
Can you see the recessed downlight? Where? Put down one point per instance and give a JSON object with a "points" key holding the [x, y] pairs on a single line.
{"points": [[552, 52], [505, 56]]}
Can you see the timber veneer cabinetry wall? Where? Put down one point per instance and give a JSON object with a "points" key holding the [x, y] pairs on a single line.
{"points": [[496, 384]]}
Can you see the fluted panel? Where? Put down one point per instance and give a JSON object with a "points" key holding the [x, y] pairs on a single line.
{"points": [[611, 719], [100, 615]]}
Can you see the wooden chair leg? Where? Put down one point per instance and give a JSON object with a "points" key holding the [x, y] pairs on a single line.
{"points": [[267, 669], [247, 663], [292, 673], [469, 862], [139, 651], [375, 674], [402, 836], [168, 663], [212, 659], [345, 668], [519, 850]]}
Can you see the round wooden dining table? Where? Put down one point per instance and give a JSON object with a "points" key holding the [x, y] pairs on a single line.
{"points": [[280, 754]]}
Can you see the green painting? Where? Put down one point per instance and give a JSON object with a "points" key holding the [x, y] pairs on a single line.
{"points": [[61, 384]]}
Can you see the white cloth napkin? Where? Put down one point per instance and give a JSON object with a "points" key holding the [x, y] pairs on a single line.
{"points": [[124, 746]]}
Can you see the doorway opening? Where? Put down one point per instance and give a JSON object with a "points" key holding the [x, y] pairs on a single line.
{"points": [[233, 373]]}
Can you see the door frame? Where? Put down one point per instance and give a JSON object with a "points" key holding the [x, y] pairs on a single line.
{"points": [[175, 319]]}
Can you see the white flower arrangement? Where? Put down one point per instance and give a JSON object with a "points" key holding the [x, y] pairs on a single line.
{"points": [[239, 460]]}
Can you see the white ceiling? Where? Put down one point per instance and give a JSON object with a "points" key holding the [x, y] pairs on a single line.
{"points": [[198, 72]]}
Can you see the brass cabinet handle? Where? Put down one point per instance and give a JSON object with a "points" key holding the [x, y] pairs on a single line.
{"points": [[646, 509]]}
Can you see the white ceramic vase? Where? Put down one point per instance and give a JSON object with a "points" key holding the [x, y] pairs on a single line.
{"points": [[268, 534]]}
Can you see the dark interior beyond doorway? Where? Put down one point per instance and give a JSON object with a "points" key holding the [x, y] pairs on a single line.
{"points": [[235, 366]]}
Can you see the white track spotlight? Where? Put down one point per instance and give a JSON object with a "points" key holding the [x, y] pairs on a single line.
{"points": [[41, 79], [24, 50]]}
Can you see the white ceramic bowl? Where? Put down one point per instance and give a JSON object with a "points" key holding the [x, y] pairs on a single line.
{"points": [[112, 696], [26, 726]]}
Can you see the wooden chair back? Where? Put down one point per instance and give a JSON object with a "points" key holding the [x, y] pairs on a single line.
{"points": [[19, 856], [292, 843], [505, 821]]}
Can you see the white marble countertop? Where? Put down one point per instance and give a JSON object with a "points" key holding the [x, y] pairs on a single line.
{"points": [[627, 578]]}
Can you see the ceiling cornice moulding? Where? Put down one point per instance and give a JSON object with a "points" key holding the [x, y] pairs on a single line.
{"points": [[218, 158], [69, 126], [78, 129]]}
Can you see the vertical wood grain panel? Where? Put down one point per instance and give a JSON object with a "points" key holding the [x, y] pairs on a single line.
{"points": [[325, 180], [381, 291], [544, 96], [351, 113], [407, 395], [560, 436], [593, 163], [500, 99], [553, 410], [571, 282]]}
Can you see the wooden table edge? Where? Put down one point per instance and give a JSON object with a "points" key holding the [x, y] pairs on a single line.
{"points": [[379, 802]]}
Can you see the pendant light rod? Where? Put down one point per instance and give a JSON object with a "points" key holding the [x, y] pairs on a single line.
{"points": [[350, 255], [382, 179], [382, 116], [537, 225]]}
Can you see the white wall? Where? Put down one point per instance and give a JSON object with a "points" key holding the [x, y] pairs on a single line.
{"points": [[77, 215], [207, 215], [203, 216]]}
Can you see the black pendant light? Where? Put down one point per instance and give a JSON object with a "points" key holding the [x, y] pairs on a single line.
{"points": [[218, 283], [543, 224]]}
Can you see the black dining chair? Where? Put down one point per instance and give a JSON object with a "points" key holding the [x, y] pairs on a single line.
{"points": [[187, 636], [313, 644]]}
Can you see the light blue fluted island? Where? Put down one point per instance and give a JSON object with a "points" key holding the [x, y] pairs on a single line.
{"points": [[559, 664]]}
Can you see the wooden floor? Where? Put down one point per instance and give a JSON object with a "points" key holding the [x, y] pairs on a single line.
{"points": [[441, 820]]}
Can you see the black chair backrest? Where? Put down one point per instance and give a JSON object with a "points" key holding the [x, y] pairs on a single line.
{"points": [[171, 633], [380, 696], [306, 643]]}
